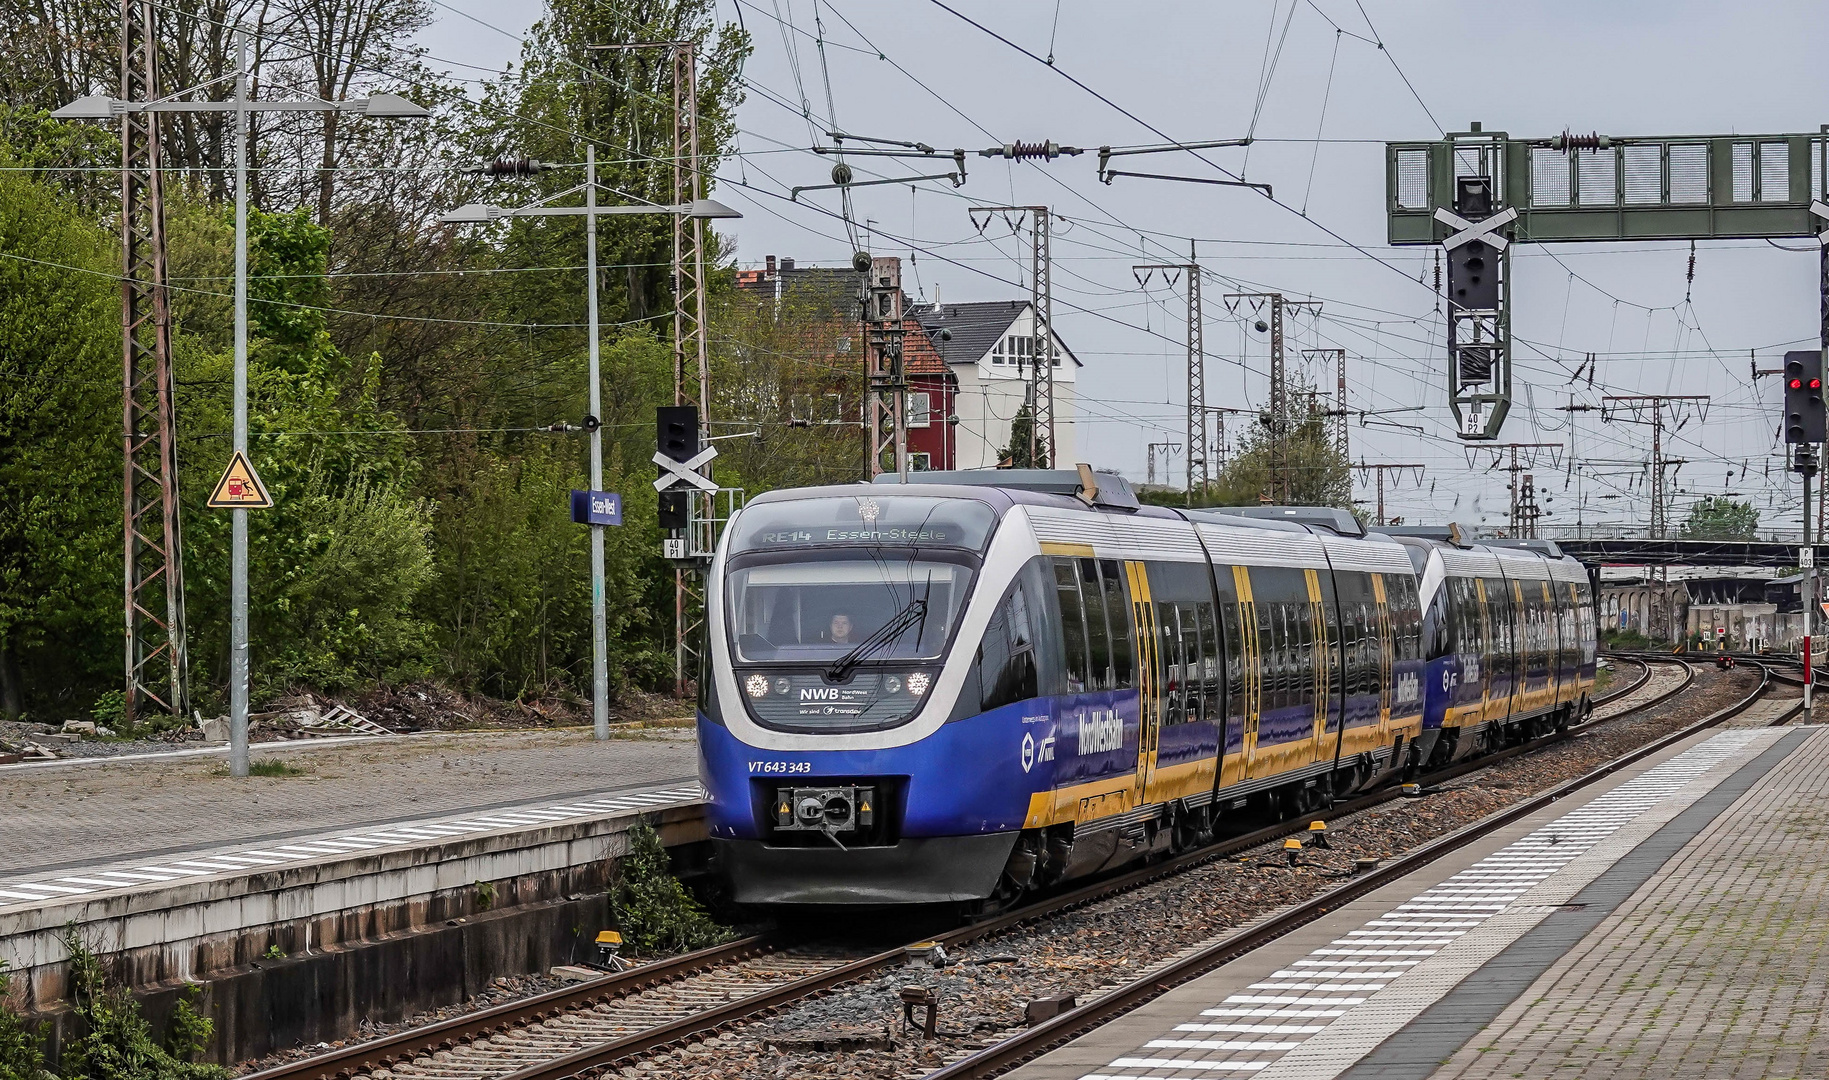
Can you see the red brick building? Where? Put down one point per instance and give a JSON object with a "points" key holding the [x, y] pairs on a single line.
{"points": [[836, 340]]}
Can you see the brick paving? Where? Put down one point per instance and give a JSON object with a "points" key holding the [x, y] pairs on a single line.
{"points": [[1714, 968], [84, 815]]}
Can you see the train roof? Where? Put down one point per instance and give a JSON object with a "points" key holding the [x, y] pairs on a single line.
{"points": [[1046, 489]]}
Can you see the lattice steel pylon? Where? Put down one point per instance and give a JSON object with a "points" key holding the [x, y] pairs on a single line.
{"points": [[1042, 447], [156, 656], [1041, 375], [1200, 469], [886, 374], [691, 346], [1281, 487]]}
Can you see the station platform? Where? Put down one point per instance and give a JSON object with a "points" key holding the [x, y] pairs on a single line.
{"points": [[1670, 921], [78, 813], [178, 873]]}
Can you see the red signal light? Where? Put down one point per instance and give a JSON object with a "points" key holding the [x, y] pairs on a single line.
{"points": [[1816, 384], [1797, 384]]}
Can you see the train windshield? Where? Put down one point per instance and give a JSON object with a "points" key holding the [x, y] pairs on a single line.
{"points": [[822, 609]]}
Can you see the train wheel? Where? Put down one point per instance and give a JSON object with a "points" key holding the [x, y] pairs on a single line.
{"points": [[1193, 827]]}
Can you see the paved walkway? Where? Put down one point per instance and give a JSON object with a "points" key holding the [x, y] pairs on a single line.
{"points": [[64, 819], [1714, 968], [1416, 968]]}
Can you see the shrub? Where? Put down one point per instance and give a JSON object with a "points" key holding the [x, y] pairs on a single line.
{"points": [[21, 1045], [653, 910], [116, 1041]]}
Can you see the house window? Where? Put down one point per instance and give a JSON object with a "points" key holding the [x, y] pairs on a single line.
{"points": [[921, 462], [1014, 349], [920, 408]]}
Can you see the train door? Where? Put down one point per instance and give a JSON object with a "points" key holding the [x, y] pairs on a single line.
{"points": [[1387, 651], [1188, 734], [1556, 633], [1240, 671], [1323, 647], [1150, 672], [1252, 639], [1487, 650]]}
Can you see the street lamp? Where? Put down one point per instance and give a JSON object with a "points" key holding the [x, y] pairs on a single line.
{"points": [[478, 213], [102, 107]]}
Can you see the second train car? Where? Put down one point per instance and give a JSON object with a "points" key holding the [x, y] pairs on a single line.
{"points": [[983, 684]]}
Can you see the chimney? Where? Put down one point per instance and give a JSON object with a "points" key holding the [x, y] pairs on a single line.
{"points": [[770, 263], [787, 264], [937, 296]]}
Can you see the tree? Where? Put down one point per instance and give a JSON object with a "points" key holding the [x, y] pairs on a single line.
{"points": [[1716, 517], [1319, 475], [60, 449], [1017, 453]]}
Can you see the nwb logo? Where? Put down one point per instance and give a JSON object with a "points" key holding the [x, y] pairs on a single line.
{"points": [[1101, 731], [819, 693]]}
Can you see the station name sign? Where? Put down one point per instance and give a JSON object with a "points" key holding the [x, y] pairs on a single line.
{"points": [[596, 508]]}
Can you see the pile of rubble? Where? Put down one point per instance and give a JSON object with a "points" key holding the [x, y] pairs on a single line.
{"points": [[25, 741]]}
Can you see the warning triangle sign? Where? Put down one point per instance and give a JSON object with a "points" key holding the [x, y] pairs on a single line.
{"points": [[240, 488]]}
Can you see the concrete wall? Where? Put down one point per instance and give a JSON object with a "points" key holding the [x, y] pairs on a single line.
{"points": [[376, 935]]}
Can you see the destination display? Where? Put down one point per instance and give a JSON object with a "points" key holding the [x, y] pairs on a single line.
{"points": [[907, 521]]}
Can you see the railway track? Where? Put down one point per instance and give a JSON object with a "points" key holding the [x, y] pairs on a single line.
{"points": [[581, 1030]]}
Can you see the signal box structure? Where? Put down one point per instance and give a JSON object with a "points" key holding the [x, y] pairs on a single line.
{"points": [[1476, 192]]}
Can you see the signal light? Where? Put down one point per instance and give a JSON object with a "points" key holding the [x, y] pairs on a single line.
{"points": [[677, 435], [1804, 413]]}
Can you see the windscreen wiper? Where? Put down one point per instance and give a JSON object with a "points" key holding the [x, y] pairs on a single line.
{"points": [[841, 668]]}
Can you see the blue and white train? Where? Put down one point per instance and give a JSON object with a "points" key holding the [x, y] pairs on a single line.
{"points": [[986, 683]]}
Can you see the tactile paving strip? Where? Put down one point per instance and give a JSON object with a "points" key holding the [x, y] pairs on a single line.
{"points": [[131, 876]]}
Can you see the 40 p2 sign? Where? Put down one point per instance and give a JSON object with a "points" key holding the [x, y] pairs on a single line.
{"points": [[596, 508]]}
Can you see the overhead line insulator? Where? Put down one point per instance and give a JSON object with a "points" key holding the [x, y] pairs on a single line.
{"points": [[1017, 151]]}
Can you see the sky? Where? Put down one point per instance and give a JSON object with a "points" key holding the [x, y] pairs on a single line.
{"points": [[1310, 82]]}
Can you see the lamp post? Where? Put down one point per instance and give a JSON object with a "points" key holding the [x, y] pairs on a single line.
{"points": [[102, 107], [703, 209]]}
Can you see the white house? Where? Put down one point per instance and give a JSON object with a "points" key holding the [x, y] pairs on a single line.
{"points": [[988, 346]]}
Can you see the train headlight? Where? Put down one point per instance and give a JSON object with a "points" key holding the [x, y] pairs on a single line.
{"points": [[918, 683], [892, 684], [782, 686], [757, 685]]}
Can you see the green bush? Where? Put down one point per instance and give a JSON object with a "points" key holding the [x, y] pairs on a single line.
{"points": [[116, 1041], [21, 1045], [653, 910]]}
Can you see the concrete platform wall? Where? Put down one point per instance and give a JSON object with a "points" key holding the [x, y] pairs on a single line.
{"points": [[369, 935]]}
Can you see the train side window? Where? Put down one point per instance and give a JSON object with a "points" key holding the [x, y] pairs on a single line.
{"points": [[1211, 688], [1098, 634], [1073, 626], [1193, 665], [1270, 662], [1006, 659], [1174, 657], [1308, 653], [1353, 614], [1229, 614], [1117, 614], [1286, 657]]}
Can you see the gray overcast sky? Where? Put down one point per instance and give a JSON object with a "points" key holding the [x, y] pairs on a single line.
{"points": [[1194, 70]]}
